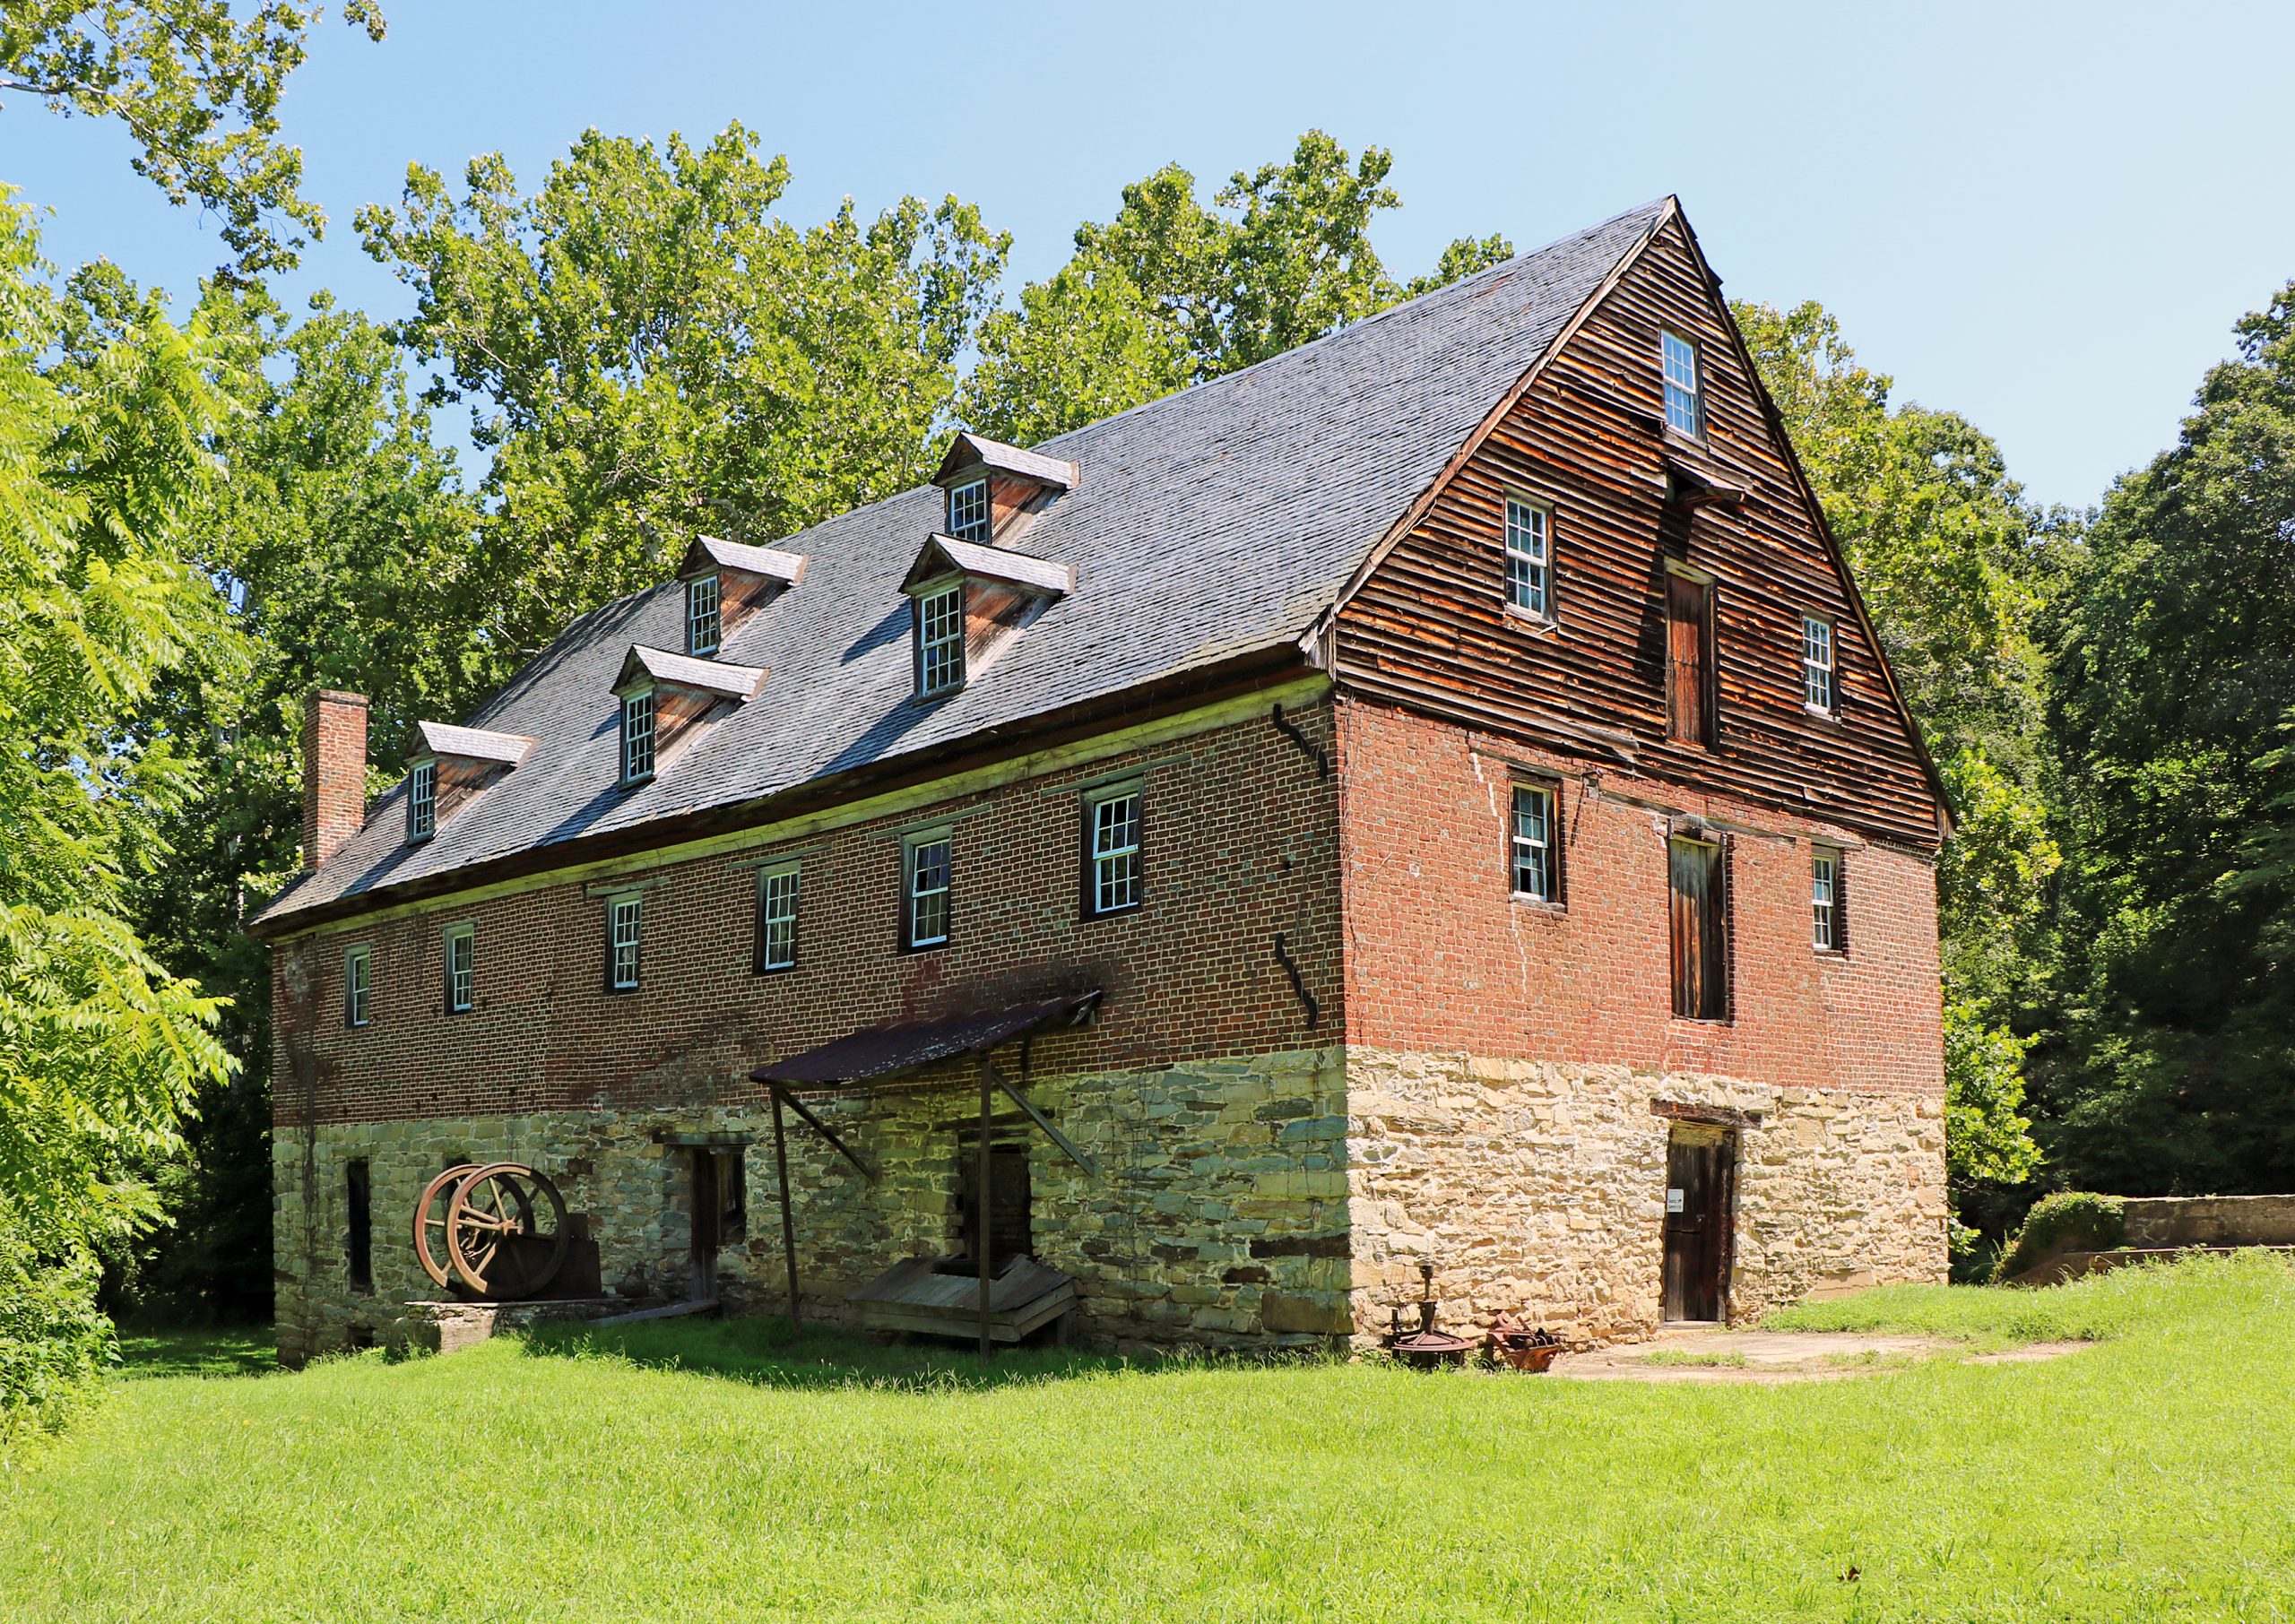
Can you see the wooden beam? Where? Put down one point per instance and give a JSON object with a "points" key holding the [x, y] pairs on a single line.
{"points": [[984, 1208], [820, 1128], [788, 1218], [987, 1068]]}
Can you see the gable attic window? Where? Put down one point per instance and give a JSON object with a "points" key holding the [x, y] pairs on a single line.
{"points": [[1685, 386], [969, 601], [1530, 584], [968, 511], [1818, 693], [421, 801], [450, 766], [701, 614], [663, 697]]}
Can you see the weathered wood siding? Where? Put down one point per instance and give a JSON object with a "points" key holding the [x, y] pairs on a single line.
{"points": [[1429, 628]]}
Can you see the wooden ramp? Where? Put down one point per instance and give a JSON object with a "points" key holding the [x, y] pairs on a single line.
{"points": [[913, 1295]]}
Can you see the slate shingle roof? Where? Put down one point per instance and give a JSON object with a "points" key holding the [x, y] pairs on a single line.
{"points": [[1215, 522]]}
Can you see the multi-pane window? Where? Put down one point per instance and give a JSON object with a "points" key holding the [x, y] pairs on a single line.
{"points": [[940, 641], [638, 737], [1828, 926], [358, 978], [968, 513], [461, 969], [1113, 884], [422, 801], [1531, 843], [1528, 569], [1684, 390], [776, 917], [622, 916], [701, 625], [1700, 928], [927, 901], [1817, 690]]}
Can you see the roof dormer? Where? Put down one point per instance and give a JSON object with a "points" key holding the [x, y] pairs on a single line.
{"points": [[724, 581], [664, 696], [994, 490], [451, 765], [969, 600]]}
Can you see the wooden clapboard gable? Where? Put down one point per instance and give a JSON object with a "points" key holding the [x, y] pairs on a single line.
{"points": [[1426, 624]]}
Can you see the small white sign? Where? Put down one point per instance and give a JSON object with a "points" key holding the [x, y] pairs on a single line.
{"points": [[1674, 1199]]}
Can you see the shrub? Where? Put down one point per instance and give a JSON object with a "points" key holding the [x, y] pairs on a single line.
{"points": [[54, 1341], [2070, 1221]]}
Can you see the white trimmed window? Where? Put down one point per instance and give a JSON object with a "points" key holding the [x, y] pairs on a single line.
{"points": [[927, 901], [776, 916], [969, 519], [1684, 387], [940, 641], [461, 969], [623, 915], [1532, 844], [701, 622], [421, 801], [1529, 571], [357, 984], [1818, 691], [638, 737], [1826, 933], [1112, 829]]}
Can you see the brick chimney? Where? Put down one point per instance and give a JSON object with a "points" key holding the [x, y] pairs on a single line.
{"points": [[334, 771]]}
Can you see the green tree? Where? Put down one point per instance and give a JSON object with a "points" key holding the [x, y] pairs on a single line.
{"points": [[652, 353], [2175, 687], [1171, 292], [100, 1049], [198, 90], [1954, 566]]}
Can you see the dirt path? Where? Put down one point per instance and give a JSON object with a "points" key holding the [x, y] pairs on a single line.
{"points": [[1765, 1357]]}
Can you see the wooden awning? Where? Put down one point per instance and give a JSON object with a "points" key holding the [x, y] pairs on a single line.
{"points": [[877, 1051]]}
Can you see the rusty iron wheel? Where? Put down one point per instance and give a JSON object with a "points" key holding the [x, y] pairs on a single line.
{"points": [[430, 1249], [493, 1206]]}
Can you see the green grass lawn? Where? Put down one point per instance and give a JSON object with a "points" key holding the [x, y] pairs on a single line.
{"points": [[683, 1471]]}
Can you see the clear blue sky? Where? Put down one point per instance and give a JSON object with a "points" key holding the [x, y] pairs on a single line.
{"points": [[2045, 216]]}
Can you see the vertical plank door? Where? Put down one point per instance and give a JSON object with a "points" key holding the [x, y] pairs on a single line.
{"points": [[1698, 1180], [1689, 621]]}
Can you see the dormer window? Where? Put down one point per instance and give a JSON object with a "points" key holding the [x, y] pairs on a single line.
{"points": [[940, 641], [421, 801], [969, 517], [638, 737], [701, 626]]}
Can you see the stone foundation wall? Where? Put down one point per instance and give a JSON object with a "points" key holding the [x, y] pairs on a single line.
{"points": [[1218, 1214], [1538, 1190]]}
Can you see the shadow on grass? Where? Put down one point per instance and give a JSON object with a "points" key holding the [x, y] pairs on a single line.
{"points": [[767, 1352], [218, 1351]]}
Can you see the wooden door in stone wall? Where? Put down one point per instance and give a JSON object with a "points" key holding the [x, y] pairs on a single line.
{"points": [[1701, 1187]]}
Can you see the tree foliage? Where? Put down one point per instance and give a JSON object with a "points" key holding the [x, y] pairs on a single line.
{"points": [[652, 353], [100, 1049], [1953, 566], [1172, 293], [2174, 689], [198, 89]]}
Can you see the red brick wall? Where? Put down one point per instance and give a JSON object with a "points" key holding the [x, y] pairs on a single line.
{"points": [[1439, 957], [1241, 841], [334, 771]]}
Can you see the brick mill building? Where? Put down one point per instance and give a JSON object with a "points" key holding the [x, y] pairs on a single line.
{"points": [[1433, 796]]}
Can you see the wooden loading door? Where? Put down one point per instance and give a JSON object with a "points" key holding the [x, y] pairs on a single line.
{"points": [[1700, 1178]]}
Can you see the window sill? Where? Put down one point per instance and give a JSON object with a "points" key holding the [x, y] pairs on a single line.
{"points": [[620, 992], [932, 946], [1703, 1020], [1819, 713], [1686, 440], [1530, 619], [1089, 914], [773, 969], [1537, 905]]}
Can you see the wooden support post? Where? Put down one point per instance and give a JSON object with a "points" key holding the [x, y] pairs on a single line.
{"points": [[984, 1217], [788, 1219]]}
